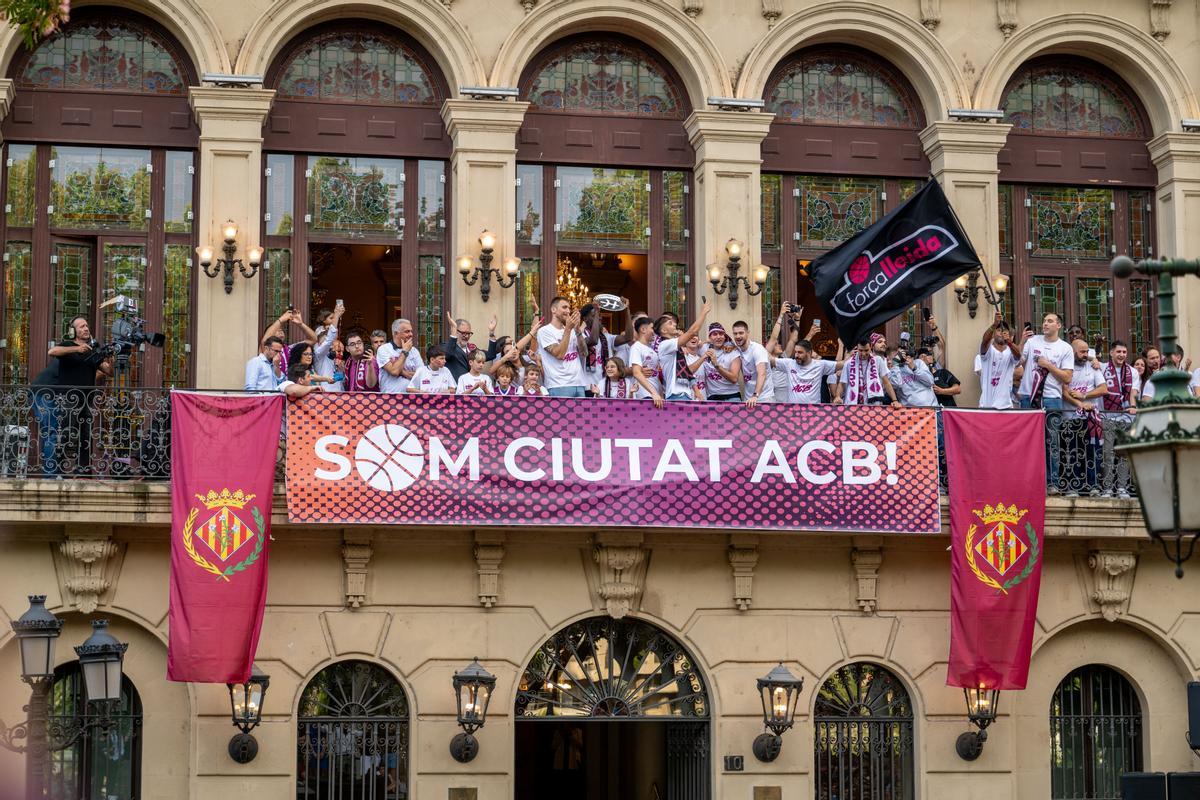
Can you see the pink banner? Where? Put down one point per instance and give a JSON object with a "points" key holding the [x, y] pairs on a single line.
{"points": [[427, 459]]}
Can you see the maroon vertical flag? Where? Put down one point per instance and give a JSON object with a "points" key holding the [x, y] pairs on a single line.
{"points": [[996, 465], [223, 452]]}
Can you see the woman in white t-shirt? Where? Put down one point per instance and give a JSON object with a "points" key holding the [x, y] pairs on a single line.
{"points": [[615, 384]]}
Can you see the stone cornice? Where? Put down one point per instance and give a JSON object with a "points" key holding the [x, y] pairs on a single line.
{"points": [[8, 90], [728, 126], [985, 138], [230, 104], [489, 116], [1174, 145]]}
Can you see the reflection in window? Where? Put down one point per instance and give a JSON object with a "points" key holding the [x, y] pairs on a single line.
{"points": [[1095, 734], [124, 274], [603, 207], [675, 289], [178, 192], [1071, 98], [96, 188], [277, 281], [431, 201], [1094, 312], [177, 283], [18, 263], [1004, 215], [1140, 242], [831, 210], [71, 270], [1071, 223], [841, 87], [280, 192], [529, 289], [358, 67], [22, 185], [675, 210], [1048, 296], [356, 196], [772, 214], [529, 204], [1141, 314], [608, 76]]}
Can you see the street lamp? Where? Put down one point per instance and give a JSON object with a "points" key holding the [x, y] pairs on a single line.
{"points": [[101, 658], [472, 691], [37, 632], [967, 288], [981, 711], [485, 271], [227, 264], [1163, 446], [780, 692], [246, 705], [731, 279]]}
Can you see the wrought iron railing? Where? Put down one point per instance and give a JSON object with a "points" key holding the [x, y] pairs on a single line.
{"points": [[125, 434]]}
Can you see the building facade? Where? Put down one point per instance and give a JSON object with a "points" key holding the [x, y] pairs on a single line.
{"points": [[353, 144]]}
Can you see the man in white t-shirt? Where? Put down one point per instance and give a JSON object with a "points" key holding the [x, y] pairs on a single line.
{"points": [[756, 366], [864, 379], [672, 363], [805, 374], [644, 364], [398, 360], [434, 377], [1048, 363], [913, 379], [601, 345], [560, 345], [723, 370], [996, 366], [1082, 434]]}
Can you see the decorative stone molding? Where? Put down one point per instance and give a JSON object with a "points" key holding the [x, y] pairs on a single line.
{"points": [[356, 554], [1006, 16], [693, 8], [489, 552], [866, 558], [86, 553], [931, 14], [743, 558], [772, 10], [621, 561], [1112, 573], [1160, 19], [528, 5]]}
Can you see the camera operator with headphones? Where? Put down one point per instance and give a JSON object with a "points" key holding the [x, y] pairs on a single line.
{"points": [[75, 363]]}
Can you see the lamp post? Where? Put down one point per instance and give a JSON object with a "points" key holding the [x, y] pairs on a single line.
{"points": [[968, 287], [246, 705], [731, 279], [779, 691], [485, 271], [1163, 447], [472, 692], [227, 264], [981, 711]]}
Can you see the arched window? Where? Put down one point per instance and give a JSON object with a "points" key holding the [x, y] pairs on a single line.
{"points": [[841, 86], [1095, 734], [609, 75], [101, 763], [864, 736], [1069, 97], [352, 736]]}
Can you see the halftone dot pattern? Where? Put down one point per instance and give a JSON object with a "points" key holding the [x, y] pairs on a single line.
{"points": [[496, 498]]}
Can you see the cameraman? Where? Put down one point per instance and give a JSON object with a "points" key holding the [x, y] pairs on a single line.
{"points": [[912, 379], [75, 362]]}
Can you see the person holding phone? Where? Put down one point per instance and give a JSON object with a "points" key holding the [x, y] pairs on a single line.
{"points": [[327, 334]]}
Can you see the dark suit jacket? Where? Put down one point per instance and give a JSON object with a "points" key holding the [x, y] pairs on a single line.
{"points": [[456, 359]]}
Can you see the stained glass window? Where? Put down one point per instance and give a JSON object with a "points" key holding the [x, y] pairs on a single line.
{"points": [[529, 289], [96, 188], [529, 204], [280, 192], [841, 87], [603, 207], [124, 274], [358, 67], [101, 53], [1004, 218], [675, 290], [604, 76], [429, 300], [1141, 313], [431, 201], [1070, 98], [177, 282], [1071, 223], [675, 218], [22, 185], [1048, 296], [909, 187], [1094, 313], [71, 266], [18, 262], [355, 196], [179, 192], [772, 188], [277, 282], [1141, 244], [831, 210]]}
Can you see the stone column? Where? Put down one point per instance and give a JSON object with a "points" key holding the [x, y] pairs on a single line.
{"points": [[8, 90], [962, 156], [1177, 158], [483, 196], [231, 122], [728, 147]]}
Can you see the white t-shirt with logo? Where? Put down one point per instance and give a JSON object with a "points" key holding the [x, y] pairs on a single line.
{"points": [[621, 388], [396, 384], [752, 356], [645, 356], [804, 380], [556, 372], [1148, 389], [673, 383], [1084, 379], [715, 384], [467, 381], [995, 369], [1058, 353], [428, 380]]}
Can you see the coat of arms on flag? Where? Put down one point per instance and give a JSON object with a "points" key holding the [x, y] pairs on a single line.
{"points": [[224, 535], [994, 555]]}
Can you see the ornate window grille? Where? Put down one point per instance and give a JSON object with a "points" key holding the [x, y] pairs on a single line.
{"points": [[352, 735], [1095, 734], [864, 736], [102, 762]]}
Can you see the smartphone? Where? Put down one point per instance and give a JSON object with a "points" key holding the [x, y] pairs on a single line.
{"points": [[926, 313], [817, 324], [340, 304], [1028, 326]]}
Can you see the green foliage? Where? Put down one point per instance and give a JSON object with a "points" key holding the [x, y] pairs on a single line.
{"points": [[101, 197], [35, 19]]}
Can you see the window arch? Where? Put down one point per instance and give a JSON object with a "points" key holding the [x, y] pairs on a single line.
{"points": [[1071, 97], [841, 86], [98, 764], [611, 75], [352, 734], [356, 64], [1095, 734], [864, 735]]}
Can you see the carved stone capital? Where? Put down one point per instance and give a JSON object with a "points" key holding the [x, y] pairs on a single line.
{"points": [[931, 14], [865, 559], [86, 553], [621, 563], [356, 554], [489, 552], [743, 558], [772, 10], [1111, 574], [693, 8], [1006, 16], [528, 5], [1160, 19]]}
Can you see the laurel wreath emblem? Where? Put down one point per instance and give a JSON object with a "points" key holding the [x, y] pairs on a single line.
{"points": [[1003, 588], [233, 569]]}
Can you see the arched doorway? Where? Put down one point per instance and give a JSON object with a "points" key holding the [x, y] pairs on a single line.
{"points": [[612, 708], [101, 763], [1095, 734], [352, 735]]}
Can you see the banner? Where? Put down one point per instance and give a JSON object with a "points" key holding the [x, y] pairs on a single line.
{"points": [[892, 265], [223, 451], [429, 459], [996, 463]]}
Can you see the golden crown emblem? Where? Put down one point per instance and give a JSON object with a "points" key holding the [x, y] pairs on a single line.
{"points": [[226, 500], [997, 513]]}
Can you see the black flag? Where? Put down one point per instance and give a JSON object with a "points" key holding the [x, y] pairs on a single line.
{"points": [[892, 265]]}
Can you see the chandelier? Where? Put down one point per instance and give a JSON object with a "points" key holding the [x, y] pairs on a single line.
{"points": [[568, 284]]}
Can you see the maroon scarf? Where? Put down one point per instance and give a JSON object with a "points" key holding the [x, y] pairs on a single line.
{"points": [[1120, 384], [357, 370]]}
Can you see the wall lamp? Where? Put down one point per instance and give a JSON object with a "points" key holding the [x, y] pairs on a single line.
{"points": [[981, 711], [968, 287], [730, 281], [975, 114], [780, 692], [246, 704], [227, 264], [472, 691], [489, 92], [735, 104], [506, 277]]}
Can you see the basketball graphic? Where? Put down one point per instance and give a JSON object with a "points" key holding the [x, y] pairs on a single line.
{"points": [[860, 270], [389, 458]]}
